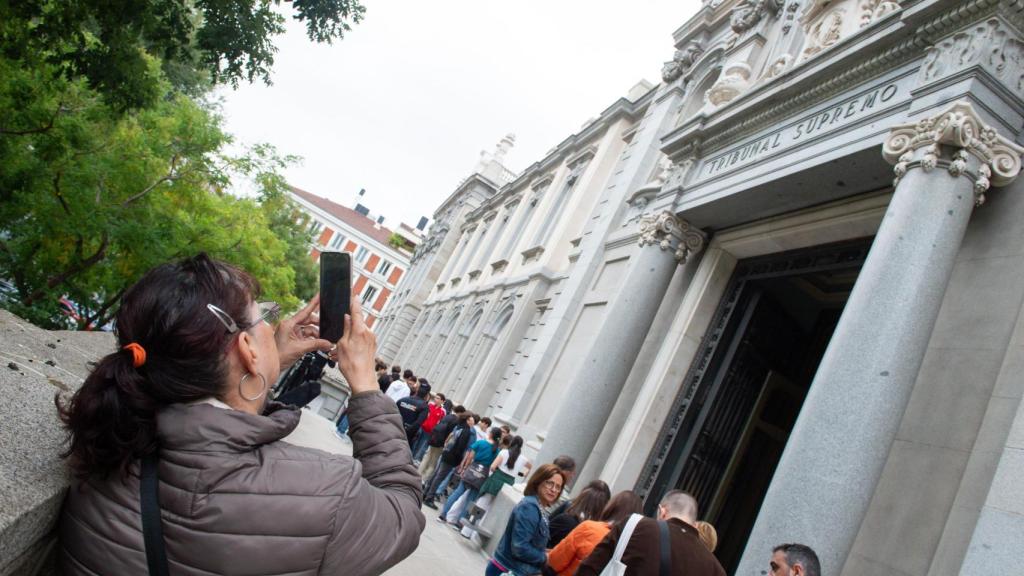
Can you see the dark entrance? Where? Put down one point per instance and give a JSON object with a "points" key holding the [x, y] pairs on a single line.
{"points": [[743, 393]]}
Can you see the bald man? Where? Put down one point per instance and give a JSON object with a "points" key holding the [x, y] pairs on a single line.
{"points": [[642, 556]]}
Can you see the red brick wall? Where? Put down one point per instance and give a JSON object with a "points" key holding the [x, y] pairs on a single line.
{"points": [[382, 298], [315, 254], [371, 263], [325, 236], [396, 273], [370, 320], [350, 246]]}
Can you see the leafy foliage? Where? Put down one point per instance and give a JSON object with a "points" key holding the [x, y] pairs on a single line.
{"points": [[196, 41], [112, 161]]}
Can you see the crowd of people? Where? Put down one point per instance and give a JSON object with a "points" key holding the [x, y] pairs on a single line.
{"points": [[464, 461], [175, 433]]}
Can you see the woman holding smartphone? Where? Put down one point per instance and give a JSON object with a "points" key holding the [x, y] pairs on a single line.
{"points": [[245, 485]]}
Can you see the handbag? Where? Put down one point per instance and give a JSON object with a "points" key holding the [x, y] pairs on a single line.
{"points": [[615, 567], [152, 530], [475, 475]]}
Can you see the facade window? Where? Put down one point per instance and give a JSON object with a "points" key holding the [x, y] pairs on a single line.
{"points": [[384, 267], [368, 294], [517, 233], [555, 212], [361, 254], [338, 240], [315, 228]]}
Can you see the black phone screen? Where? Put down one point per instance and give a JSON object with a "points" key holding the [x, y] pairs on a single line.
{"points": [[335, 291]]}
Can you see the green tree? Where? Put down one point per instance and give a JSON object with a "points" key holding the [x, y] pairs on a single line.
{"points": [[91, 198], [197, 42]]}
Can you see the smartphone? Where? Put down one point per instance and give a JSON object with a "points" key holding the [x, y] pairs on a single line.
{"points": [[335, 292]]}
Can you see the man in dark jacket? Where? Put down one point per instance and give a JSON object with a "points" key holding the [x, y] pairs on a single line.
{"points": [[642, 555], [451, 456], [414, 410]]}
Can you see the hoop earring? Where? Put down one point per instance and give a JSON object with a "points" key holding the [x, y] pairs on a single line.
{"points": [[256, 397]]}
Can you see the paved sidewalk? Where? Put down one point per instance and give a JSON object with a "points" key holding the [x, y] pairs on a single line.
{"points": [[442, 551]]}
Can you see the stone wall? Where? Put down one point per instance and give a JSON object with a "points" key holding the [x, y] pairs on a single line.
{"points": [[35, 365]]}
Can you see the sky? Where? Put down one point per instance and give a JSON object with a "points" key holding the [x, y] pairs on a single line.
{"points": [[403, 105]]}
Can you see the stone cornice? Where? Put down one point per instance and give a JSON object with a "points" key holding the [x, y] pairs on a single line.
{"points": [[958, 127], [903, 38]]}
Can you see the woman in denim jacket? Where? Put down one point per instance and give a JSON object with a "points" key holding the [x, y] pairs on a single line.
{"points": [[522, 549]]}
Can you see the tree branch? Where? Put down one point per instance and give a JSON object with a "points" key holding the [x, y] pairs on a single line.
{"points": [[169, 177], [45, 128], [72, 271], [100, 318]]}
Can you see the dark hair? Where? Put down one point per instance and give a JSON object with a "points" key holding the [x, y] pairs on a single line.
{"points": [[541, 475], [423, 381], [396, 369], [111, 419], [409, 378], [515, 448], [800, 554], [378, 366], [495, 435], [486, 420], [408, 374], [565, 463], [590, 501], [621, 507], [441, 396], [458, 409]]}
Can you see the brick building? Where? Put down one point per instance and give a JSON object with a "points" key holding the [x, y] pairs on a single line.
{"points": [[378, 262]]}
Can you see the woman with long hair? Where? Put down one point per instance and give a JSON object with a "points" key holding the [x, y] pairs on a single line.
{"points": [[179, 417], [587, 505], [565, 558], [508, 466], [522, 548]]}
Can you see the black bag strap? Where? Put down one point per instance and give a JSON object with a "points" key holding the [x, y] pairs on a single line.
{"points": [[666, 550], [152, 530]]}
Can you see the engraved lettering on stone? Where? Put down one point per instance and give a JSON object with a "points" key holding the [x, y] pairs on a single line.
{"points": [[670, 233], [960, 129], [990, 44]]}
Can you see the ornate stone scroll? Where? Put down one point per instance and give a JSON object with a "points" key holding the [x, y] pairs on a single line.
{"points": [[669, 232], [748, 13], [958, 140]]}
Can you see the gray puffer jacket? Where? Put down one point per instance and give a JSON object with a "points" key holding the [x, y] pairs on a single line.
{"points": [[236, 500]]}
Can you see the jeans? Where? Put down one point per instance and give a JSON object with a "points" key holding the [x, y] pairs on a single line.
{"points": [[343, 424], [420, 445], [439, 480], [470, 499]]}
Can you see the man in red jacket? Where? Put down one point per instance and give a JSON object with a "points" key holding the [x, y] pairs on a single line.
{"points": [[436, 413]]}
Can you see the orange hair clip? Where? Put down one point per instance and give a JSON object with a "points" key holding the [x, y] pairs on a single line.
{"points": [[138, 353]]}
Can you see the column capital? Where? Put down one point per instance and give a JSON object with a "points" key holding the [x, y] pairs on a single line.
{"points": [[974, 149], [670, 232]]}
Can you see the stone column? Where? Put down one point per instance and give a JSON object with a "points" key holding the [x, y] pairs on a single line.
{"points": [[833, 460], [665, 242]]}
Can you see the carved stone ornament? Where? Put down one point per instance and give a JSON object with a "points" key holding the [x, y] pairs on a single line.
{"points": [[778, 67], [824, 33], [681, 62], [991, 44], [746, 14], [871, 10], [960, 128], [791, 10], [669, 232], [734, 81]]}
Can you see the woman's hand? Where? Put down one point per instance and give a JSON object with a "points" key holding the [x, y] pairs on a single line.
{"points": [[300, 334], [356, 351]]}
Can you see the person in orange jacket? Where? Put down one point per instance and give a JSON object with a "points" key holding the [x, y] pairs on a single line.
{"points": [[574, 548]]}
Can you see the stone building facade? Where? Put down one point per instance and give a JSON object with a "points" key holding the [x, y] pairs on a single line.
{"points": [[788, 279]]}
